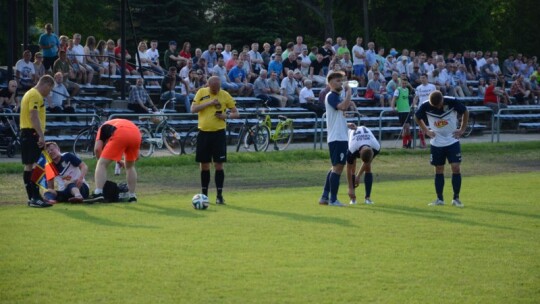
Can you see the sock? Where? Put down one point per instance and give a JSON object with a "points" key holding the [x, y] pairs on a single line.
{"points": [[404, 139], [439, 185], [368, 182], [27, 178], [334, 186], [326, 189], [132, 194], [219, 179], [98, 191], [205, 181], [409, 140], [456, 184]]}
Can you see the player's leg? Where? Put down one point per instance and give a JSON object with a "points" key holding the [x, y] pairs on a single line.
{"points": [[368, 182], [203, 157], [454, 158], [351, 174], [438, 159], [338, 152], [219, 156]]}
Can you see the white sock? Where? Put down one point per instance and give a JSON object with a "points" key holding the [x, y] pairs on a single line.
{"points": [[98, 191], [132, 194]]}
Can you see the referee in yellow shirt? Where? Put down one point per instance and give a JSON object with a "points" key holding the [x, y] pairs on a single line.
{"points": [[211, 104], [32, 125]]}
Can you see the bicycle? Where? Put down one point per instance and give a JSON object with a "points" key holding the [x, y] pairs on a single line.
{"points": [[281, 136], [161, 134], [83, 146]]}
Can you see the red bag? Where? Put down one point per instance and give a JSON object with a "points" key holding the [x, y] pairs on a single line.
{"points": [[370, 94]]}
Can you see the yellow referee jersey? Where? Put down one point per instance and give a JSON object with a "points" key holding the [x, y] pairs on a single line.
{"points": [[32, 100], [207, 119]]}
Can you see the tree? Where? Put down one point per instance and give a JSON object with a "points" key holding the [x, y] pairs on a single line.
{"points": [[324, 10]]}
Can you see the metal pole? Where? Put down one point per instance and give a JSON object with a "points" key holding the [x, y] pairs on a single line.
{"points": [[55, 18], [123, 50], [11, 38], [25, 24], [366, 22]]}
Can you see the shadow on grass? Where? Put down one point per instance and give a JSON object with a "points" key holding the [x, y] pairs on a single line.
{"points": [[176, 212], [433, 213], [295, 216], [506, 212], [84, 216]]}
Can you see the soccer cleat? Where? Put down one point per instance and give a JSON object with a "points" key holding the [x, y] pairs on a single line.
{"points": [[75, 200], [436, 202], [95, 198], [336, 204], [368, 201], [132, 199], [220, 201], [457, 203], [352, 202], [38, 203], [323, 201]]}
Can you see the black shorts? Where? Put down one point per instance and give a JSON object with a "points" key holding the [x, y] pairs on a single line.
{"points": [[30, 151], [404, 117], [211, 147], [439, 155]]}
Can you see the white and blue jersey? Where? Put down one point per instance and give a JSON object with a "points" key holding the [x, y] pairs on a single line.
{"points": [[68, 170], [443, 122], [336, 122]]}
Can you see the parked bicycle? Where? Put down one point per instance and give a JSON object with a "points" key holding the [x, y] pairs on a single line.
{"points": [[83, 146], [281, 136], [157, 132], [9, 133]]}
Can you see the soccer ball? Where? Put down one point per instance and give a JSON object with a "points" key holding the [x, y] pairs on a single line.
{"points": [[200, 201]]}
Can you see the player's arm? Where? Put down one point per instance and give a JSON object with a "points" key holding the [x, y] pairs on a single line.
{"points": [[423, 127], [351, 168], [346, 103], [463, 126], [84, 169]]}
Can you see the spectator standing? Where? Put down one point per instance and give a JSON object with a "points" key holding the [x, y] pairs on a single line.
{"points": [[32, 128], [210, 104], [442, 115], [400, 103], [337, 137], [49, 44]]}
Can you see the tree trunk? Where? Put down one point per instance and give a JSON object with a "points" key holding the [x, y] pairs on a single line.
{"points": [[325, 13]]}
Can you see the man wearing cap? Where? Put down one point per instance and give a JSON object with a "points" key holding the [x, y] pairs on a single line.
{"points": [[170, 59], [48, 43]]}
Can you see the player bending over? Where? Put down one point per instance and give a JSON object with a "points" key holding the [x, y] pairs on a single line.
{"points": [[363, 145]]}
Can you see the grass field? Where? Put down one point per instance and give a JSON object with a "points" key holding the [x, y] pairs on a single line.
{"points": [[273, 243]]}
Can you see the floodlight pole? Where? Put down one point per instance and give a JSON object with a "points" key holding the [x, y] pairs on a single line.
{"points": [[366, 22], [55, 18], [123, 50]]}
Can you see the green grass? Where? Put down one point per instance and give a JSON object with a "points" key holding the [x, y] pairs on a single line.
{"points": [[275, 244]]}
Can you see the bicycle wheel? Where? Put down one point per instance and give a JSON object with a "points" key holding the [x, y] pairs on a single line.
{"points": [[190, 141], [172, 140], [147, 146], [470, 127], [83, 146], [256, 138], [284, 137]]}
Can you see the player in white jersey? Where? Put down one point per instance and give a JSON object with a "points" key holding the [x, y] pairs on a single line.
{"points": [[442, 114], [363, 145], [336, 124], [421, 95]]}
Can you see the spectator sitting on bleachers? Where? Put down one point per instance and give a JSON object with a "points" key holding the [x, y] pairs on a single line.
{"points": [[461, 80], [278, 100], [316, 71], [201, 65], [277, 51], [63, 66], [238, 76], [517, 63], [227, 52], [535, 89], [486, 71], [299, 47], [289, 49], [481, 92], [480, 62], [170, 58], [184, 72], [210, 56], [265, 54], [453, 79], [290, 89], [144, 63], [91, 55], [346, 64], [59, 93], [198, 54], [508, 68], [8, 97], [308, 101], [129, 69], [305, 62], [327, 51], [25, 72], [250, 75], [519, 92], [342, 49], [139, 100], [261, 88], [289, 64], [63, 43], [276, 66], [168, 85], [375, 86], [392, 85], [494, 97], [277, 43], [414, 76], [185, 52], [153, 55], [442, 80], [389, 67], [220, 71], [39, 67], [108, 58], [80, 60], [255, 58], [231, 63], [78, 71]]}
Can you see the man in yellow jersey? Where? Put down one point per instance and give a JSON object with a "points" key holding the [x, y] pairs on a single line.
{"points": [[211, 104], [32, 127]]}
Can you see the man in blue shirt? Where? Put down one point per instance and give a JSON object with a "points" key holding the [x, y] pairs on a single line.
{"points": [[49, 43], [238, 75]]}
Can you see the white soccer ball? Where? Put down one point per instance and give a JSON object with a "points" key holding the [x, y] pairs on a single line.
{"points": [[200, 201]]}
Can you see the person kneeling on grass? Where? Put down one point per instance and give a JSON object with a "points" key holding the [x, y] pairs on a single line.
{"points": [[70, 182], [363, 145]]}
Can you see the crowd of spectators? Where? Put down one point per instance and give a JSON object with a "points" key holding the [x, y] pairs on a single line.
{"points": [[283, 75]]}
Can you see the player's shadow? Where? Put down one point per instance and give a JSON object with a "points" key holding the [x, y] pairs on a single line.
{"points": [[159, 210], [295, 216], [82, 215], [506, 212], [433, 213]]}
